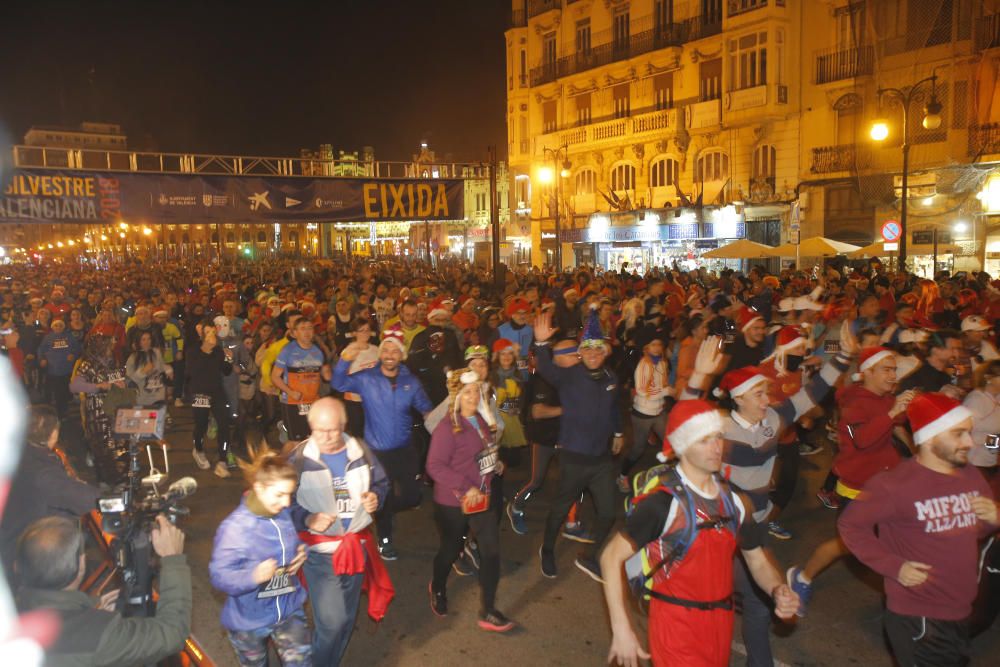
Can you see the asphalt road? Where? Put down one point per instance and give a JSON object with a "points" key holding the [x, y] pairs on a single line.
{"points": [[561, 621]]}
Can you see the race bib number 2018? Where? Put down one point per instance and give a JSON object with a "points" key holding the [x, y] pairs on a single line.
{"points": [[282, 583]]}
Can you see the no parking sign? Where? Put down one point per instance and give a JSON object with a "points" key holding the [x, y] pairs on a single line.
{"points": [[891, 231]]}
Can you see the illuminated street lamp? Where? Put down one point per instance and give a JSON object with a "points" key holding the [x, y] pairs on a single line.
{"points": [[904, 97], [546, 175]]}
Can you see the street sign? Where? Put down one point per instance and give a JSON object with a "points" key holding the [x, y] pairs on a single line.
{"points": [[890, 247], [891, 231]]}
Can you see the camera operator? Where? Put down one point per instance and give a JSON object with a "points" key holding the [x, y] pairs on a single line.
{"points": [[50, 566], [42, 486]]}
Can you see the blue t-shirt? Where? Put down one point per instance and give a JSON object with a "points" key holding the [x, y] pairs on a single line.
{"points": [[337, 463], [301, 368]]}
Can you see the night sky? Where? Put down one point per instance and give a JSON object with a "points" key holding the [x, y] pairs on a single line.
{"points": [[261, 78]]}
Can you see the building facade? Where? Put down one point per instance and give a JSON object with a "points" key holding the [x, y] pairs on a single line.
{"points": [[651, 130]]}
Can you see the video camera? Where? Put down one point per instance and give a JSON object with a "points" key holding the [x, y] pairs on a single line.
{"points": [[129, 513]]}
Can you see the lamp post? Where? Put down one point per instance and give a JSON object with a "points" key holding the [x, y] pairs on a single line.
{"points": [[880, 131], [557, 173]]}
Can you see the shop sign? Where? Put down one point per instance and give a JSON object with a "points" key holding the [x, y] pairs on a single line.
{"points": [[670, 232], [926, 237]]}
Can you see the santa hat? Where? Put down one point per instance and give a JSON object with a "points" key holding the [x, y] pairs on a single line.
{"points": [[592, 334], [518, 305], [502, 344], [873, 355], [932, 414], [439, 306], [689, 422], [160, 312], [790, 340], [975, 323], [739, 381], [748, 316], [393, 337]]}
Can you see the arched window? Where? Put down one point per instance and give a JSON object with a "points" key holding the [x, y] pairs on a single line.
{"points": [[623, 177], [246, 236], [586, 182], [215, 237], [261, 237], [186, 238], [230, 238], [663, 172], [712, 165], [293, 239]]}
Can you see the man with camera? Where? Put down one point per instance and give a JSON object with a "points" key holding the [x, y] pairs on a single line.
{"points": [[50, 567]]}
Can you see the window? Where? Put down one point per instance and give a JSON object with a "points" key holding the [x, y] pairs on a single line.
{"points": [[261, 237], [663, 91], [230, 239], [523, 76], [748, 61], [663, 16], [583, 39], [663, 172], [850, 21], [620, 33], [623, 177], [710, 79], [480, 201], [549, 116], [549, 50], [586, 182], [848, 109], [583, 115], [960, 105], [522, 188], [621, 98], [763, 168], [246, 236], [712, 165]]}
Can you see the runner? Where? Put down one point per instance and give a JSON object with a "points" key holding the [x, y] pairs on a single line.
{"points": [[299, 369]]}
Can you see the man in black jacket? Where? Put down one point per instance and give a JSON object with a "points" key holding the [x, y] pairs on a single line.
{"points": [[41, 486]]}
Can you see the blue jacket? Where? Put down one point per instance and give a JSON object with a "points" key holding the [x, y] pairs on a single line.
{"points": [[388, 418], [242, 541], [522, 337], [60, 351], [591, 415]]}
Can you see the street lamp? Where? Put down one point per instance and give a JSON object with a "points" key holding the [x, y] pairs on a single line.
{"points": [[880, 131], [557, 172]]}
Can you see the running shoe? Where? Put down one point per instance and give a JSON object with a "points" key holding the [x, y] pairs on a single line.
{"points": [[439, 601], [231, 462], [800, 587], [777, 531], [517, 521], [623, 484], [200, 459], [809, 448], [222, 470], [576, 532], [829, 499], [462, 566], [590, 567], [549, 570], [386, 550], [493, 621], [472, 553]]}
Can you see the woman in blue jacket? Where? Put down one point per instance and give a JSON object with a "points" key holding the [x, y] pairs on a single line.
{"points": [[255, 559]]}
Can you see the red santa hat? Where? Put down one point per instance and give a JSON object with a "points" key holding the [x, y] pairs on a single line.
{"points": [[873, 355], [518, 305], [689, 422], [440, 306], [790, 337], [393, 337], [502, 344], [741, 380], [748, 316], [932, 414]]}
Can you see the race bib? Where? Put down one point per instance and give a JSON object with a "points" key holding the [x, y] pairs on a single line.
{"points": [[346, 507], [202, 401], [304, 408], [154, 382], [831, 346], [282, 583], [60, 345], [522, 364], [116, 376], [487, 460]]}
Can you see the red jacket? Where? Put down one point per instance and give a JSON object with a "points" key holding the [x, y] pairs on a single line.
{"points": [[865, 435]]}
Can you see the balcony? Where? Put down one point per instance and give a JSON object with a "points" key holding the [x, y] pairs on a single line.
{"points": [[704, 114], [845, 157], [984, 139], [615, 129], [988, 32], [518, 19], [838, 64], [654, 39], [536, 7]]}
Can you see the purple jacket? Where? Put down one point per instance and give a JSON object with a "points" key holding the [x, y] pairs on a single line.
{"points": [[453, 461]]}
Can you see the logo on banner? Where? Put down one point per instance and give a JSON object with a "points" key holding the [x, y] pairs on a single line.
{"points": [[259, 199], [206, 200], [289, 202], [163, 199]]}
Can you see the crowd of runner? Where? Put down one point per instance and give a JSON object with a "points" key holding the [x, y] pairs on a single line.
{"points": [[340, 390]]}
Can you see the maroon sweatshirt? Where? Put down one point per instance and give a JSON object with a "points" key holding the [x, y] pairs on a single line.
{"points": [[459, 461], [923, 516], [865, 435]]}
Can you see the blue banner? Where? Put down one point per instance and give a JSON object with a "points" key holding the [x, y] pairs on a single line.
{"points": [[55, 195]]}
